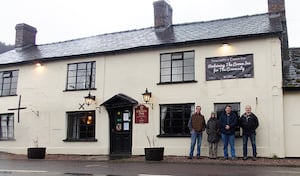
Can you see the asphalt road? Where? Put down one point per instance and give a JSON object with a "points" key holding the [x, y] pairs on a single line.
{"points": [[93, 168]]}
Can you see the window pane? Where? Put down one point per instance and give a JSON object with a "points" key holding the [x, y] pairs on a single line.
{"points": [[72, 67], [176, 56], [165, 64], [81, 66], [81, 125], [189, 77], [72, 73], [189, 55], [176, 78], [165, 78], [174, 119], [165, 57], [188, 62], [165, 71], [189, 69]]}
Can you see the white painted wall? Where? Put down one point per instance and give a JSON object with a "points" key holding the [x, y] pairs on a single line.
{"points": [[42, 90], [292, 123]]}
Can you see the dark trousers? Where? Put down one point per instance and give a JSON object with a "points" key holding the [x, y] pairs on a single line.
{"points": [[245, 144]]}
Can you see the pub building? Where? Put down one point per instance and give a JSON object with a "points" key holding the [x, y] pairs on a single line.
{"points": [[114, 94]]}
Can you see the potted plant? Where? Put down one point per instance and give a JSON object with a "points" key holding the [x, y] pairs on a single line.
{"points": [[153, 153], [36, 152]]}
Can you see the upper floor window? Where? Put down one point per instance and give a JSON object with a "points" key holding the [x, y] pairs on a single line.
{"points": [[177, 67], [8, 82], [81, 126], [81, 76], [174, 119], [6, 126]]}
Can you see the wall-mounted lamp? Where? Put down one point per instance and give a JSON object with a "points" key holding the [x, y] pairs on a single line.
{"points": [[147, 96], [89, 99], [38, 64]]}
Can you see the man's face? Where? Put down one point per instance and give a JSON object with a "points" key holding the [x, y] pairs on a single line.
{"points": [[198, 109], [248, 109], [228, 110]]}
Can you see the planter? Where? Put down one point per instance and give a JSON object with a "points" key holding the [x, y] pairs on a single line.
{"points": [[36, 153], [154, 153]]}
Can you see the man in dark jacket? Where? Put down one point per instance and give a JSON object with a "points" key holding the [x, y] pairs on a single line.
{"points": [[249, 122], [196, 125], [228, 122]]}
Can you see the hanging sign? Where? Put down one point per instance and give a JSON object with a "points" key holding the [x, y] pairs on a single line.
{"points": [[229, 67], [141, 114]]}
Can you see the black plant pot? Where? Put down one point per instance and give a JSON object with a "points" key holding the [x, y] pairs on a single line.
{"points": [[36, 153], [154, 153]]}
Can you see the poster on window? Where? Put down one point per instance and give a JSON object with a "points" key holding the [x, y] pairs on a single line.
{"points": [[141, 114], [229, 67]]}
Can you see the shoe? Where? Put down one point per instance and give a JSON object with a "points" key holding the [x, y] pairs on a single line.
{"points": [[254, 158], [245, 158], [198, 157], [225, 159], [233, 159], [190, 157]]}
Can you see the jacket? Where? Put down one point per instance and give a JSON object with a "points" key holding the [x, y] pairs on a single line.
{"points": [[231, 120], [248, 123], [197, 123], [213, 130]]}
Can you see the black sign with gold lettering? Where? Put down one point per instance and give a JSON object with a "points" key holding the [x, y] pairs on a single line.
{"points": [[229, 67]]}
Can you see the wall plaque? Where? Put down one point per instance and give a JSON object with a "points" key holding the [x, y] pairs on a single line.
{"points": [[141, 114]]}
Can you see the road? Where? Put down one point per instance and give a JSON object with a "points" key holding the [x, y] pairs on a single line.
{"points": [[93, 168]]}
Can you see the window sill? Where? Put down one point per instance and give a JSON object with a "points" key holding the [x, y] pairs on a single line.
{"points": [[7, 139], [8, 95], [66, 90], [80, 140], [181, 82], [173, 136]]}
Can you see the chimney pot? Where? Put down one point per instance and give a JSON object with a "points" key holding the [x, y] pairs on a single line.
{"points": [[276, 8], [162, 14], [25, 35]]}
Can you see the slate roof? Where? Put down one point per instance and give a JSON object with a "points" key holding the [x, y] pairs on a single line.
{"points": [[239, 27], [291, 73]]}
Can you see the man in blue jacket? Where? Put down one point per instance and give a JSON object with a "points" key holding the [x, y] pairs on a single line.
{"points": [[228, 121]]}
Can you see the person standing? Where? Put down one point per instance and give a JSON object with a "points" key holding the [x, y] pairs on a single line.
{"points": [[249, 122], [228, 122], [196, 125], [213, 130]]}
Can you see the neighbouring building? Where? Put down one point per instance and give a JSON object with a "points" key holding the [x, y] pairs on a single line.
{"points": [[238, 61]]}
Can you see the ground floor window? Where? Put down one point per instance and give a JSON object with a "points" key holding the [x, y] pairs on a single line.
{"points": [[220, 108], [6, 126], [174, 119], [81, 126]]}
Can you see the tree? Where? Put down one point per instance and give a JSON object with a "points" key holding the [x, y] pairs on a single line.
{"points": [[4, 47]]}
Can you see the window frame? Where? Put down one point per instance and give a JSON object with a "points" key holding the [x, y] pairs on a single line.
{"points": [[172, 67], [78, 114], [8, 127], [91, 81], [13, 74], [184, 126]]}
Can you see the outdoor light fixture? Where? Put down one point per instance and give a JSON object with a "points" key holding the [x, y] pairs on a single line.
{"points": [[38, 64], [89, 99], [146, 96]]}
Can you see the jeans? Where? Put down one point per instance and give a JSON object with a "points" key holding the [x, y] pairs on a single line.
{"points": [[228, 139], [245, 144], [195, 137]]}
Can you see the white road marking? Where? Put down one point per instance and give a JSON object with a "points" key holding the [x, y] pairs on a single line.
{"points": [[152, 175], [24, 171], [288, 172]]}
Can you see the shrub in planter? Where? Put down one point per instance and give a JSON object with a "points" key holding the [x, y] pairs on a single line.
{"points": [[154, 153], [36, 153]]}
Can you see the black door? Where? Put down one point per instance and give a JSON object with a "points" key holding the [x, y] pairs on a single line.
{"points": [[120, 132]]}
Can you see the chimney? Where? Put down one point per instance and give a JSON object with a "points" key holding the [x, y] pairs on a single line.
{"points": [[25, 35], [276, 8], [162, 14]]}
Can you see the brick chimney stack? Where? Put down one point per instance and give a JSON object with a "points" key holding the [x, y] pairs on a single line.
{"points": [[276, 8], [162, 14], [25, 35]]}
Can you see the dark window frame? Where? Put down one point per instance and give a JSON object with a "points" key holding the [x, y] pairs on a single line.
{"points": [[9, 76], [185, 118], [89, 76], [9, 128], [171, 76], [81, 125]]}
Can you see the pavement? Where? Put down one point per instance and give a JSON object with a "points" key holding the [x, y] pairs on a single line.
{"points": [[275, 162]]}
